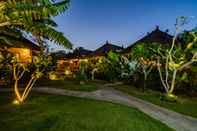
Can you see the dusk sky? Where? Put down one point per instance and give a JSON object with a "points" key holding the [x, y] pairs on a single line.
{"points": [[89, 23]]}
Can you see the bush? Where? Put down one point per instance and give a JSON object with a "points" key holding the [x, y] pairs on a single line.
{"points": [[81, 75]]}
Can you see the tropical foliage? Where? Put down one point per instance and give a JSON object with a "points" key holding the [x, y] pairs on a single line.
{"points": [[145, 57], [81, 75], [37, 66], [176, 59], [5, 67], [34, 17], [19, 18]]}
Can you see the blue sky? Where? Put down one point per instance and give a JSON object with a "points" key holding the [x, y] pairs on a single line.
{"points": [[89, 23]]}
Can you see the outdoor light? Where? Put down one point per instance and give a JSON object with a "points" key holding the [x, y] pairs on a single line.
{"points": [[26, 51], [85, 60], [67, 72], [16, 102], [52, 77]]}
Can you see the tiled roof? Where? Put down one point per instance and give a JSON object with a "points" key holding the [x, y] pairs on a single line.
{"points": [[106, 48], [20, 43], [84, 53], [77, 53], [156, 36]]}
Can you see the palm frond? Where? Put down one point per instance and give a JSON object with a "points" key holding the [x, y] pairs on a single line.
{"points": [[48, 22], [34, 16], [31, 11], [48, 32]]}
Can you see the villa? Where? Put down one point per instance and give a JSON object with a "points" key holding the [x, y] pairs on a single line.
{"points": [[70, 62], [23, 48]]}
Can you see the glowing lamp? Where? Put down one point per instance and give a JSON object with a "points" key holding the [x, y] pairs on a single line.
{"points": [[67, 72], [16, 102], [52, 77], [86, 60]]}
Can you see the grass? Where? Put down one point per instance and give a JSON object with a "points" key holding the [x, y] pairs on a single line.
{"points": [[69, 85], [60, 113], [185, 105]]}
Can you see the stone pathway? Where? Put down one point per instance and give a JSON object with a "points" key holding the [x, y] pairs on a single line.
{"points": [[172, 119]]}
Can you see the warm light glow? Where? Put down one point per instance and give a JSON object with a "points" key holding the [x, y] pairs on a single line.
{"points": [[16, 102], [23, 54], [52, 76], [25, 51], [67, 72], [171, 95], [100, 61], [83, 60]]}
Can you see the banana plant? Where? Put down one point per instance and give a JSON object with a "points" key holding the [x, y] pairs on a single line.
{"points": [[32, 17]]}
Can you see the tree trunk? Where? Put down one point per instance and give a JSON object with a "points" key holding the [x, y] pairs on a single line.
{"points": [[173, 82], [144, 84], [16, 91]]}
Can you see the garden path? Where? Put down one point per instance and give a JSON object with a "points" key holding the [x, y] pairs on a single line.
{"points": [[172, 119]]}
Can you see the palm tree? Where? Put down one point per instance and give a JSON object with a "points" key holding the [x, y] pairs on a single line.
{"points": [[18, 17]]}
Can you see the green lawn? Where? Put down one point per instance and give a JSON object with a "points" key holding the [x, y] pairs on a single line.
{"points": [[185, 105], [69, 85], [60, 113]]}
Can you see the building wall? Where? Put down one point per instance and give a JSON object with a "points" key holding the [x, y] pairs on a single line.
{"points": [[74, 64], [24, 54]]}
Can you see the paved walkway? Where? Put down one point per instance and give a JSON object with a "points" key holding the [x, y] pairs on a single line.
{"points": [[172, 119]]}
